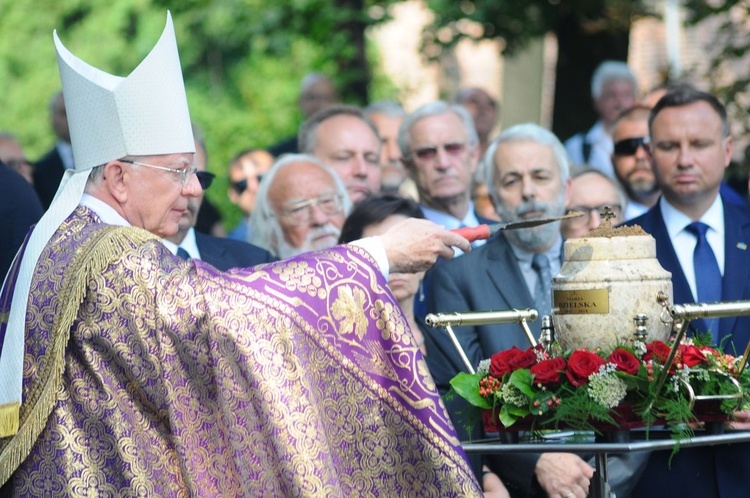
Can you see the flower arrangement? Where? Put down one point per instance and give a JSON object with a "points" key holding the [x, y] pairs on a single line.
{"points": [[597, 390]]}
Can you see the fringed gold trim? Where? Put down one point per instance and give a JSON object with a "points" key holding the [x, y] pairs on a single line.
{"points": [[103, 249], [9, 419]]}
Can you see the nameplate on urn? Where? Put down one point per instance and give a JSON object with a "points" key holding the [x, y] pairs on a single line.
{"points": [[581, 302]]}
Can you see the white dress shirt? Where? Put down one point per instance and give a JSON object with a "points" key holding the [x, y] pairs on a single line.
{"points": [[684, 242]]}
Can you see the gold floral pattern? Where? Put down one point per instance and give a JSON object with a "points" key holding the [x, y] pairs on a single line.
{"points": [[348, 309], [184, 381]]}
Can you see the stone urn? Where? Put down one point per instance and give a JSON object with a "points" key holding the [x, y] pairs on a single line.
{"points": [[606, 279]]}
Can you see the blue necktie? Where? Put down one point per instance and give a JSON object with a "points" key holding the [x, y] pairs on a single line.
{"points": [[183, 253], [707, 273], [543, 290]]}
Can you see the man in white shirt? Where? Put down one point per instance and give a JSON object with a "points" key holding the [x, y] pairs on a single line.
{"points": [[613, 89], [703, 241]]}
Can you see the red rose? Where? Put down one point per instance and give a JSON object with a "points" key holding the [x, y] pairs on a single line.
{"points": [[523, 360], [692, 356], [547, 372], [581, 364], [625, 361], [656, 350], [500, 362]]}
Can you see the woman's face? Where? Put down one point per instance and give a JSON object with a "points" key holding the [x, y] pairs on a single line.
{"points": [[403, 285]]}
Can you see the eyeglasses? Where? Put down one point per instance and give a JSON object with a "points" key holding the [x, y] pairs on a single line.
{"points": [[205, 178], [427, 153], [184, 173], [587, 213], [629, 146], [241, 185], [301, 212], [17, 164]]}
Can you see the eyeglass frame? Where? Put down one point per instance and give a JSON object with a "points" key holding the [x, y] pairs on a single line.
{"points": [[184, 173], [430, 152], [308, 205], [581, 220]]}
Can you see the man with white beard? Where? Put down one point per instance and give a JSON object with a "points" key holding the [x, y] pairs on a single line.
{"points": [[302, 205], [527, 172]]}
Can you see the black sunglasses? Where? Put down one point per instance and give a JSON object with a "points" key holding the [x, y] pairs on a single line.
{"points": [[629, 146], [241, 185], [205, 178]]}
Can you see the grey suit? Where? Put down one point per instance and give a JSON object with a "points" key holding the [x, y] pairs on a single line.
{"points": [[488, 278]]}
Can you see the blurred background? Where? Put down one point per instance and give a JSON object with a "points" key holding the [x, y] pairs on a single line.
{"points": [[243, 60]]}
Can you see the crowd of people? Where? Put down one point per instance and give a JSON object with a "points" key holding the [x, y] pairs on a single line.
{"points": [[200, 381]]}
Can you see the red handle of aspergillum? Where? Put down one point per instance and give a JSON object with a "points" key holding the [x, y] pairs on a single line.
{"points": [[471, 234]]}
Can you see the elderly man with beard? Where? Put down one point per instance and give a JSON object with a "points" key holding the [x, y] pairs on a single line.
{"points": [[302, 205], [527, 170]]}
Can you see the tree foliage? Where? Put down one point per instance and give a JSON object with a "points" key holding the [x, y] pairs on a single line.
{"points": [[518, 21], [242, 61]]}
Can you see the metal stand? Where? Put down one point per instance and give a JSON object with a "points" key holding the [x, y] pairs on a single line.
{"points": [[659, 440]]}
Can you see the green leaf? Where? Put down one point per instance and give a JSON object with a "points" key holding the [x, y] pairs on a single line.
{"points": [[467, 386], [509, 414], [522, 379]]}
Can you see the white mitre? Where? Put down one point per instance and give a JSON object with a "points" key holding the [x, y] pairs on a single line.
{"points": [[109, 117]]}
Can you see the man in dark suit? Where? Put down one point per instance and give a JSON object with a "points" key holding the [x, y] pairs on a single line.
{"points": [[690, 149], [223, 254], [49, 169], [526, 170], [440, 150], [19, 209]]}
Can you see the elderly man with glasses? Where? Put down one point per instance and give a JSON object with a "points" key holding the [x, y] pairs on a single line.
{"points": [[440, 150], [591, 193], [302, 205]]}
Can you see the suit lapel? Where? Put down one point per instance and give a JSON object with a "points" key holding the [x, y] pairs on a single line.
{"points": [[211, 252], [736, 259], [511, 286]]}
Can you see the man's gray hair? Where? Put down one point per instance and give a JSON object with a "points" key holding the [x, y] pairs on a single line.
{"points": [[530, 132], [309, 129], [434, 109], [265, 228], [608, 71], [387, 108]]}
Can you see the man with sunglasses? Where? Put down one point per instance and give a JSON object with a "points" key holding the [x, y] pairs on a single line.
{"points": [[632, 161], [245, 172], [222, 253], [440, 150]]}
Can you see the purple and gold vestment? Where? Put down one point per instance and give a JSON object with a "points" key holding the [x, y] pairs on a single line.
{"points": [[298, 378]]}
